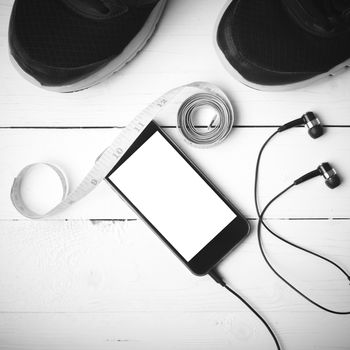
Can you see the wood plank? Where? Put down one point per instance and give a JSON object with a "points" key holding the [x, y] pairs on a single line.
{"points": [[140, 331], [230, 165], [180, 52], [84, 266], [84, 285]]}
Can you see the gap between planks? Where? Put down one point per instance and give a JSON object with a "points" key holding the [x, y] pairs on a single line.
{"points": [[162, 126], [133, 220]]}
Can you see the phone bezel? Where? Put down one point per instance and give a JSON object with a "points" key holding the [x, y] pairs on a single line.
{"points": [[211, 254]]}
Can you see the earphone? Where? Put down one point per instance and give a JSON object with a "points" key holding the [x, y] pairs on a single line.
{"points": [[332, 180], [311, 122], [331, 177]]}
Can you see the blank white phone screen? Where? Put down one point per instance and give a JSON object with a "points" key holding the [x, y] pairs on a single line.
{"points": [[172, 196]]}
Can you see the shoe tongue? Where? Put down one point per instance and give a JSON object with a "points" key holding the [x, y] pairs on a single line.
{"points": [[342, 6], [98, 9], [322, 7], [323, 17], [139, 3]]}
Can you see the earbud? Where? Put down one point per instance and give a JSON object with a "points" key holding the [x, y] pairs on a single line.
{"points": [[331, 177], [311, 122]]}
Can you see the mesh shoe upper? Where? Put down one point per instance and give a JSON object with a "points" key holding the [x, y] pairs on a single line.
{"points": [[265, 44], [50, 34], [321, 17]]}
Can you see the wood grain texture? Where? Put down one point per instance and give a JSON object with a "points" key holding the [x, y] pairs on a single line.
{"points": [[78, 282], [170, 330], [88, 285], [106, 266]]}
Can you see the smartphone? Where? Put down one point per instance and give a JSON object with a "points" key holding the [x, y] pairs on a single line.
{"points": [[168, 191]]}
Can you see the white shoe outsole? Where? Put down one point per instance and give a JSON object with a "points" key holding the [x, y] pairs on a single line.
{"points": [[130, 51], [286, 87]]}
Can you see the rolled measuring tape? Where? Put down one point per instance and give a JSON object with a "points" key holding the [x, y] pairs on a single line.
{"points": [[190, 98], [212, 135]]}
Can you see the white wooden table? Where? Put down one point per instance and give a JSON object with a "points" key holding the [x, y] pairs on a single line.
{"points": [[95, 277]]}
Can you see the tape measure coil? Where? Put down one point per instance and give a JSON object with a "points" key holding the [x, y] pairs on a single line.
{"points": [[213, 134], [209, 95]]}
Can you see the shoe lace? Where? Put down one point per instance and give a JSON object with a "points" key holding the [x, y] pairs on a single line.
{"points": [[336, 11]]}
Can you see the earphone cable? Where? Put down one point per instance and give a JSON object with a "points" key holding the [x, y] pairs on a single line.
{"points": [[268, 228], [261, 222], [257, 168], [261, 217]]}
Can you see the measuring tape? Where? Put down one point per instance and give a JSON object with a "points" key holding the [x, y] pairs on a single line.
{"points": [[191, 97], [214, 134]]}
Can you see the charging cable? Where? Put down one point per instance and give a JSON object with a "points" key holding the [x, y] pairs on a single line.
{"points": [[218, 279]]}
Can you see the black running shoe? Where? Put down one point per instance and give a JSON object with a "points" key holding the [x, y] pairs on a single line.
{"points": [[70, 45], [283, 44]]}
